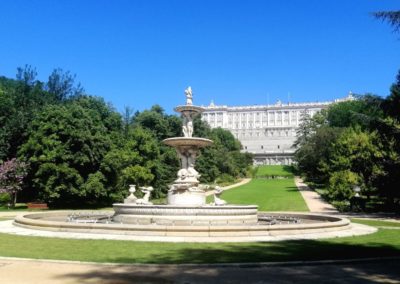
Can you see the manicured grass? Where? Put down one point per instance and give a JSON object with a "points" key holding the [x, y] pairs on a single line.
{"points": [[18, 206], [268, 194], [273, 171], [376, 223], [383, 243]]}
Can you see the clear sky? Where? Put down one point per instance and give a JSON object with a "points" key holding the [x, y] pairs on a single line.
{"points": [[139, 53]]}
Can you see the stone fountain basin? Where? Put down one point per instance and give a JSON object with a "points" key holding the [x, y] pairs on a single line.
{"points": [[172, 215], [312, 225], [189, 108], [187, 142]]}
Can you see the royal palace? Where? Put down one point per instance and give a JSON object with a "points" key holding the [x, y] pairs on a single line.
{"points": [[267, 131]]}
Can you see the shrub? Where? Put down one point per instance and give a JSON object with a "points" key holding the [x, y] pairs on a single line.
{"points": [[5, 198], [341, 185]]}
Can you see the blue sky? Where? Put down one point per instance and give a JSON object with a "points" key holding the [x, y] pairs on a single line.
{"points": [[139, 53]]}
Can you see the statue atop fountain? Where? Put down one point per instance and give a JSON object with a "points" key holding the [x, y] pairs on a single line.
{"points": [[185, 190], [189, 96]]}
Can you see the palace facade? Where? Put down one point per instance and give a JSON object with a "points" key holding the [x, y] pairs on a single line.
{"points": [[267, 131]]}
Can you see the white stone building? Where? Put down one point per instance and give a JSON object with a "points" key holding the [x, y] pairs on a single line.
{"points": [[267, 131]]}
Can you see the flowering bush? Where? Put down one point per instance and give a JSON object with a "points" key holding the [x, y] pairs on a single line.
{"points": [[12, 173]]}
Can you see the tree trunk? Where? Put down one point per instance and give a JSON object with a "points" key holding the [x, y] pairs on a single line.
{"points": [[13, 200]]}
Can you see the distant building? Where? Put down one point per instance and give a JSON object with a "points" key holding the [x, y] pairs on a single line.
{"points": [[267, 131]]}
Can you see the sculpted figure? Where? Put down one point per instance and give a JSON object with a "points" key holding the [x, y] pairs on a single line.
{"points": [[192, 172], [189, 96], [191, 157], [145, 200], [184, 159], [183, 174], [131, 198], [187, 125], [217, 200]]}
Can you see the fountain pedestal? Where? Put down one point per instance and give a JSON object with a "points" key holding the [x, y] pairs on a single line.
{"points": [[185, 190]]}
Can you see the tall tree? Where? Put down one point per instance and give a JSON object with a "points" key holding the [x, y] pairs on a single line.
{"points": [[62, 85], [65, 149], [392, 17]]}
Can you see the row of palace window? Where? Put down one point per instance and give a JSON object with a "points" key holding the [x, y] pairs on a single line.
{"points": [[257, 117], [251, 120], [262, 147], [267, 133]]}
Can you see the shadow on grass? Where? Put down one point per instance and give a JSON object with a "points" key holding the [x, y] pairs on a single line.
{"points": [[256, 252], [277, 251], [292, 188]]}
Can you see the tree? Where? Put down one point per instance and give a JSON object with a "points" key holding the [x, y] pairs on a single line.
{"points": [[66, 146], [136, 160], [27, 75], [360, 112], [392, 17], [62, 85], [161, 125], [223, 158], [309, 126], [12, 173], [361, 153], [20, 101]]}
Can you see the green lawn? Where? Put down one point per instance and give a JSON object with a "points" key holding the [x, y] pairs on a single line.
{"points": [[273, 171], [377, 223], [268, 194], [383, 243]]}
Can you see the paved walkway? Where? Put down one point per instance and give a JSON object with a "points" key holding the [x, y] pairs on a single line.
{"points": [[313, 200], [57, 272]]}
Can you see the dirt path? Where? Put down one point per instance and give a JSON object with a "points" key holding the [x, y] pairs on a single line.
{"points": [[313, 200], [46, 272], [242, 182]]}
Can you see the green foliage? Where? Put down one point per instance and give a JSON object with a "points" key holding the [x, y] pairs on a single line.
{"points": [[358, 143], [315, 152], [21, 100], [5, 199], [225, 179], [341, 185], [62, 85], [161, 125], [223, 157], [81, 151], [135, 161], [66, 146]]}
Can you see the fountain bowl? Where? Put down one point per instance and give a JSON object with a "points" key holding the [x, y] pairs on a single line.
{"points": [[195, 142]]}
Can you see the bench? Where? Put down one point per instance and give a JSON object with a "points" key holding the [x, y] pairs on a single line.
{"points": [[37, 205]]}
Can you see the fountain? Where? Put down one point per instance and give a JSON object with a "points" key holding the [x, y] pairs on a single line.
{"points": [[186, 202], [185, 190], [187, 216]]}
